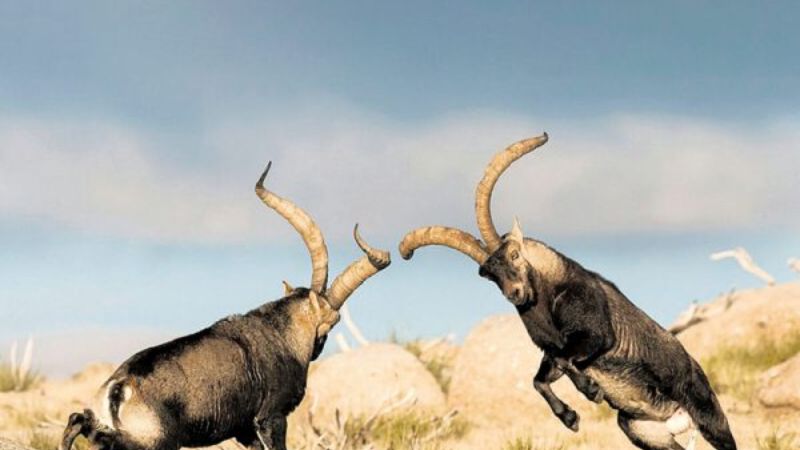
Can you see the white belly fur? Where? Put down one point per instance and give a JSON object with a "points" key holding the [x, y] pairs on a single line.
{"points": [[630, 398]]}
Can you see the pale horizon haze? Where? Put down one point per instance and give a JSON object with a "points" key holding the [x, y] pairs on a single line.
{"points": [[132, 133]]}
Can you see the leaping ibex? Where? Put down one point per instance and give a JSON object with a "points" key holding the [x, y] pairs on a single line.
{"points": [[238, 378], [588, 329]]}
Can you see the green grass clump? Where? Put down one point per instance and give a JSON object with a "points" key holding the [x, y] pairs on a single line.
{"points": [[439, 366], [778, 441], [406, 430], [520, 443], [735, 369]]}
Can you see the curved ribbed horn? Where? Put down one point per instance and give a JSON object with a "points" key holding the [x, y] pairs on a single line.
{"points": [[483, 193], [350, 279], [449, 237], [304, 225]]}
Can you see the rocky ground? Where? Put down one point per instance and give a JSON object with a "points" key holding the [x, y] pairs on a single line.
{"points": [[478, 395]]}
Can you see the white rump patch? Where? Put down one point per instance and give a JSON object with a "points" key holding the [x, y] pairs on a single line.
{"points": [[140, 423]]}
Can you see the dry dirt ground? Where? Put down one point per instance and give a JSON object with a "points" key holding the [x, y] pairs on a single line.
{"points": [[479, 395]]}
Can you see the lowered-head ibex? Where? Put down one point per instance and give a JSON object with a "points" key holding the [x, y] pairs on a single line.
{"points": [[238, 378], [588, 329]]}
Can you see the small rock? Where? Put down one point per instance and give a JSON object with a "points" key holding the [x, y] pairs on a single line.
{"points": [[778, 386]]}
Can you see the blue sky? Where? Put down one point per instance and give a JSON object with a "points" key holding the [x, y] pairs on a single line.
{"points": [[131, 134]]}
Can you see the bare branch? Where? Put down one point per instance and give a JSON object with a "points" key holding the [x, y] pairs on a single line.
{"points": [[25, 364], [342, 341], [746, 262], [344, 312], [686, 319], [698, 313], [794, 264]]}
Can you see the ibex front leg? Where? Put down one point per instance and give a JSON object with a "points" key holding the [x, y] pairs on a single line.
{"points": [[585, 385], [547, 374], [271, 432]]}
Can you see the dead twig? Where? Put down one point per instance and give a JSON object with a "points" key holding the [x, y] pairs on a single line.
{"points": [[344, 312], [698, 313], [794, 264], [746, 262]]}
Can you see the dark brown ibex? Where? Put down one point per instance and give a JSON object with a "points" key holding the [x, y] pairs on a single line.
{"points": [[588, 329], [238, 378]]}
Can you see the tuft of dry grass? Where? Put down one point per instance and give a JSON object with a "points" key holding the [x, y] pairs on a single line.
{"points": [[526, 443], [735, 369], [778, 441], [40, 440], [29, 418], [603, 412], [43, 441], [18, 376], [407, 430], [392, 427], [11, 381]]}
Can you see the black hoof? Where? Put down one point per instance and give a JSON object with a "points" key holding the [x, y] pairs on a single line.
{"points": [[570, 419]]}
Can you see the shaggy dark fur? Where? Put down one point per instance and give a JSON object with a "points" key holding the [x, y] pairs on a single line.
{"points": [[591, 332], [238, 378]]}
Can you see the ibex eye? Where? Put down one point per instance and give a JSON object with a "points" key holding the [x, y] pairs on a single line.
{"points": [[514, 255]]}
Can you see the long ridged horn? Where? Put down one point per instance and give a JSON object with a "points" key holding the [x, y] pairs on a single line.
{"points": [[304, 225], [355, 274], [449, 237], [483, 193]]}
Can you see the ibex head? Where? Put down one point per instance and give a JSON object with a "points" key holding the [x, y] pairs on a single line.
{"points": [[509, 268], [511, 261], [320, 303]]}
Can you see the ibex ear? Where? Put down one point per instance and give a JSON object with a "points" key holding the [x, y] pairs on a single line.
{"points": [[287, 288], [516, 231], [313, 299]]}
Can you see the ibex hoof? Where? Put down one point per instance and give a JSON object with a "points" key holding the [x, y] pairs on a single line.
{"points": [[570, 419]]}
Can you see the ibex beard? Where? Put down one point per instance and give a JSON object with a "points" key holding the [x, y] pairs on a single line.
{"points": [[238, 378]]}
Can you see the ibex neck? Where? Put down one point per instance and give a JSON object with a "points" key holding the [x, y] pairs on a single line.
{"points": [[549, 264], [302, 336], [292, 323]]}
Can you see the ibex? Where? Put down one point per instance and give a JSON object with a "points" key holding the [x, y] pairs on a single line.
{"points": [[587, 329], [238, 378]]}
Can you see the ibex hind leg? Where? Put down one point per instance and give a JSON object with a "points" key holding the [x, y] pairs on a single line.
{"points": [[648, 434], [702, 405]]}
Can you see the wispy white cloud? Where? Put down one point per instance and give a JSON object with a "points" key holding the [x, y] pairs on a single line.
{"points": [[623, 173]]}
